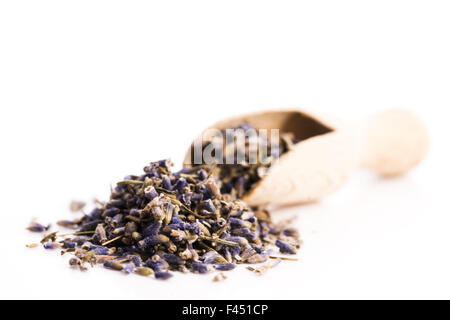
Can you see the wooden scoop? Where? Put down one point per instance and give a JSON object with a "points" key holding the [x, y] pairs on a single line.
{"points": [[390, 142]]}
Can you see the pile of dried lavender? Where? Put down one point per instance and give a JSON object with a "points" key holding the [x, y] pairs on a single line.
{"points": [[161, 221], [244, 172]]}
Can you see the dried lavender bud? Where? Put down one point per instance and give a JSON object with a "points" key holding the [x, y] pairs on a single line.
{"points": [[152, 241], [200, 267], [156, 266], [136, 260], [128, 268], [152, 229], [51, 245], [285, 247], [110, 264], [69, 244], [180, 184], [37, 227], [209, 206], [150, 193], [90, 226], [202, 174], [111, 212], [224, 266], [100, 250], [172, 259], [163, 275], [166, 184]]}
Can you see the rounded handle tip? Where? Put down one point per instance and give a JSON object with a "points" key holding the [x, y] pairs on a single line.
{"points": [[394, 142]]}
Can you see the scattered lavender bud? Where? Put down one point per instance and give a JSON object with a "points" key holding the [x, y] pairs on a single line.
{"points": [[224, 266], [200, 267], [51, 245], [285, 247], [128, 268], [166, 184], [210, 206], [162, 275], [37, 227], [114, 265], [180, 184], [150, 193], [69, 244], [136, 260]]}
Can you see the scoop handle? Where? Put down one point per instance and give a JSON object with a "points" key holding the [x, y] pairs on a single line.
{"points": [[392, 142]]}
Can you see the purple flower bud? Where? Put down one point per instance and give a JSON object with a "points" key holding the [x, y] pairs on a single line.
{"points": [[202, 175], [209, 257], [257, 248], [165, 163], [176, 220], [150, 193], [197, 197], [79, 240], [116, 220], [209, 206], [200, 267], [111, 212], [37, 227], [136, 260], [237, 223], [172, 259], [193, 227], [134, 212], [185, 198], [90, 226], [240, 240], [166, 184], [225, 266], [205, 192], [162, 275], [157, 266], [285, 247], [128, 268], [244, 232], [49, 245], [152, 229], [234, 251], [69, 244], [151, 241], [180, 184], [99, 250]]}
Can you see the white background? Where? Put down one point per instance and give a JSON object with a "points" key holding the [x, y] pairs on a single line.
{"points": [[93, 90]]}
